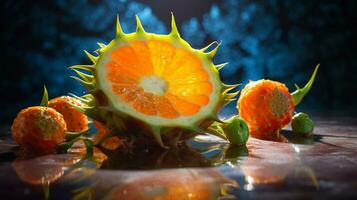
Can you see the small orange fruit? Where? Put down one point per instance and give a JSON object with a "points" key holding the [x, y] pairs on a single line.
{"points": [[75, 120], [266, 106], [39, 129]]}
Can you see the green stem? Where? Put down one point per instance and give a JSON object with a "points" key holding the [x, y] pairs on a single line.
{"points": [[215, 130], [63, 148], [300, 93]]}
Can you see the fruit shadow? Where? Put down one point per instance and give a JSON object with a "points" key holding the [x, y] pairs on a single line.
{"points": [[299, 139]]}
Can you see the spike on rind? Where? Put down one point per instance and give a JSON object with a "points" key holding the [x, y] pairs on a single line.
{"points": [[83, 100], [84, 76], [101, 45], [88, 68], [139, 26], [119, 30], [174, 31], [232, 95], [300, 93], [83, 109], [227, 101], [86, 84], [213, 51], [91, 57], [208, 46], [220, 66], [227, 88]]}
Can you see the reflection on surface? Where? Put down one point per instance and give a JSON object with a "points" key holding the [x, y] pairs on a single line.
{"points": [[197, 170], [261, 167], [233, 152], [44, 169], [153, 158], [193, 184], [73, 176], [276, 137], [264, 170], [300, 139]]}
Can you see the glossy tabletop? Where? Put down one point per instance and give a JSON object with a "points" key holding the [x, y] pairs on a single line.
{"points": [[321, 167]]}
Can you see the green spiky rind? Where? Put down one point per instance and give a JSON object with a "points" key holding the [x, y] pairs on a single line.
{"points": [[110, 114], [300, 93]]}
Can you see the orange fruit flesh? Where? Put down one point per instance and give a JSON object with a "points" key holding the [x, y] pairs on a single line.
{"points": [[267, 107], [158, 79], [75, 120]]}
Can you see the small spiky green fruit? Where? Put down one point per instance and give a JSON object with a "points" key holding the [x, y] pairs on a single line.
{"points": [[143, 84]]}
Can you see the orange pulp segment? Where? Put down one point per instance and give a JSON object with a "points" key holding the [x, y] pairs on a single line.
{"points": [[158, 79]]}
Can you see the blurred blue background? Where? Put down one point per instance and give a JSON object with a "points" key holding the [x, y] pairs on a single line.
{"points": [[276, 39]]}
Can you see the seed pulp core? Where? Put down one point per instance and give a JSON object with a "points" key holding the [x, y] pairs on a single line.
{"points": [[153, 84]]}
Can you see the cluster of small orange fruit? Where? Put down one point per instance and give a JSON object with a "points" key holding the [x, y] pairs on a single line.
{"points": [[40, 129]]}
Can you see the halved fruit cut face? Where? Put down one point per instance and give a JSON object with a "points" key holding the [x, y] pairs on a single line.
{"points": [[160, 82]]}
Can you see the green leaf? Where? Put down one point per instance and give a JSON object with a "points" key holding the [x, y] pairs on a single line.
{"points": [[300, 93], [44, 101], [72, 135]]}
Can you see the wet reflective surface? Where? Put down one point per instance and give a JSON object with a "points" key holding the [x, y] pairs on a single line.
{"points": [[322, 167]]}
